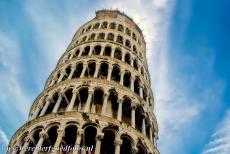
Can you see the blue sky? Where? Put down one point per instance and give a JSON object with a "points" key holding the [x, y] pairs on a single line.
{"points": [[187, 50]]}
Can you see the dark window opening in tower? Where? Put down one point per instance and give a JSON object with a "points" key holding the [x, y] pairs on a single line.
{"points": [[126, 147], [119, 39], [107, 51], [127, 79], [137, 86], [58, 75], [107, 145], [88, 28], [90, 137], [112, 25], [77, 72], [128, 31], [92, 36], [86, 51], [65, 100], [34, 140], [97, 50], [127, 58], [134, 36], [96, 26], [127, 44], [138, 118], [147, 128], [67, 71], [84, 39], [91, 69], [52, 103], [83, 30], [76, 53], [83, 95], [116, 73], [110, 37], [51, 137], [141, 150], [98, 100], [104, 25], [120, 28], [103, 70], [145, 93], [117, 54], [113, 101], [70, 135], [135, 49], [101, 36], [135, 64], [126, 111]]}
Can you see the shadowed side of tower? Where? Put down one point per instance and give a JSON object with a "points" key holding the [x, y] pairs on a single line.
{"points": [[98, 99]]}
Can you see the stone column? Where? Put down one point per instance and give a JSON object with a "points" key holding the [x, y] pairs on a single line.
{"points": [[58, 103], [143, 125], [88, 102], [131, 61], [52, 82], [35, 114], [72, 71], [105, 100], [133, 107], [26, 144], [83, 70], [123, 56], [90, 51], [80, 53], [62, 75], [42, 136], [72, 101], [118, 143], [45, 107], [132, 83], [134, 149], [122, 77], [102, 50], [96, 70], [98, 142], [109, 72], [141, 90], [119, 114], [113, 50], [60, 135], [151, 134], [80, 133]]}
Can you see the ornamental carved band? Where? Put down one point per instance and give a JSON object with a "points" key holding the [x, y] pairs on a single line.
{"points": [[98, 100]]}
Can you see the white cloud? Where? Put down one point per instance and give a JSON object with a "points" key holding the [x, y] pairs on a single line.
{"points": [[3, 138], [220, 143]]}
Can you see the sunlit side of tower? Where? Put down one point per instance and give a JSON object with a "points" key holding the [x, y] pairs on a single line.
{"points": [[98, 95]]}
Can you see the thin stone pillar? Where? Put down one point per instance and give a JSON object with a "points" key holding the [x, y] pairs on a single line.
{"points": [[143, 125], [42, 136], [35, 114], [141, 90], [113, 50], [105, 101], [58, 103], [45, 107], [80, 133], [84, 69], [61, 77], [60, 135], [118, 143], [72, 71], [132, 83], [90, 51], [133, 116], [119, 114], [26, 144], [122, 77], [88, 102], [98, 143], [97, 70], [71, 104], [123, 56], [109, 72], [151, 134]]}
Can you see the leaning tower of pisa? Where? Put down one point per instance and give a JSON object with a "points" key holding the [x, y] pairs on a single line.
{"points": [[98, 99]]}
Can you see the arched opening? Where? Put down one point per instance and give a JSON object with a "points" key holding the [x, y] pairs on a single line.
{"points": [[76, 53], [81, 98], [107, 51], [97, 101], [51, 137], [34, 140], [90, 137], [115, 73], [104, 25], [70, 135], [92, 37], [52, 103], [138, 118], [110, 37], [112, 25], [135, 64], [127, 44], [126, 147], [86, 51], [112, 104], [128, 31], [103, 70], [66, 98], [78, 70], [141, 149], [134, 36], [101, 36], [97, 50], [137, 86], [107, 145], [135, 49], [126, 111], [127, 79], [127, 58], [90, 69], [117, 54], [119, 39], [84, 39], [120, 28], [96, 26], [88, 28]]}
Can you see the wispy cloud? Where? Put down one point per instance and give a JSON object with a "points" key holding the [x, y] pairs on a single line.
{"points": [[220, 142], [4, 140]]}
